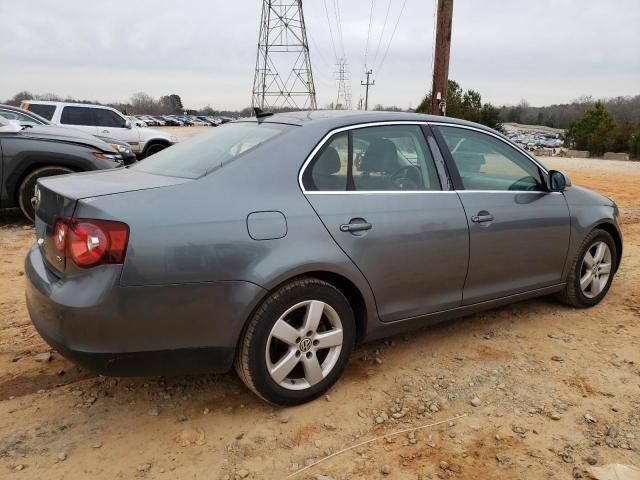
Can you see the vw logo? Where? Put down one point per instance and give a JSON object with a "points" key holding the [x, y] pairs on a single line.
{"points": [[305, 344]]}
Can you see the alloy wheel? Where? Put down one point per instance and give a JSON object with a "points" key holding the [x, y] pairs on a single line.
{"points": [[596, 269], [304, 345]]}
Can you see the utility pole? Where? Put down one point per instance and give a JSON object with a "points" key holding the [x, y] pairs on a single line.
{"points": [[441, 59], [366, 95]]}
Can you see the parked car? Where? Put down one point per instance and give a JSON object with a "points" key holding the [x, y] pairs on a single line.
{"points": [[198, 121], [101, 120], [171, 121], [28, 119], [160, 121], [151, 122], [136, 121], [186, 121], [259, 244], [29, 154]]}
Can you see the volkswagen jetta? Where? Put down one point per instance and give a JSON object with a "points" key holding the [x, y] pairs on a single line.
{"points": [[276, 244]]}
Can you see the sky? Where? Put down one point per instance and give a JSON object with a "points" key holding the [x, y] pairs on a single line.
{"points": [[544, 51]]}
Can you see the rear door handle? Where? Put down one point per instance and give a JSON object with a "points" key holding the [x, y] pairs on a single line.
{"points": [[482, 217], [355, 227]]}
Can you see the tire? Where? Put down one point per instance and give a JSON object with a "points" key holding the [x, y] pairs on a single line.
{"points": [[573, 293], [260, 350], [153, 148], [28, 184]]}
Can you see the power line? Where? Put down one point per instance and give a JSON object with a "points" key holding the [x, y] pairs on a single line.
{"points": [[392, 35], [384, 26], [366, 49], [336, 11], [333, 44]]}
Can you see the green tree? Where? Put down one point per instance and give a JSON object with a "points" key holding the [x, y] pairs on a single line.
{"points": [[172, 103], [466, 105], [490, 116], [591, 130]]}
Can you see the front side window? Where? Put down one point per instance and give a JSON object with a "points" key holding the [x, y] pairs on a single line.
{"points": [[211, 150], [486, 163], [379, 158], [107, 118], [78, 116]]}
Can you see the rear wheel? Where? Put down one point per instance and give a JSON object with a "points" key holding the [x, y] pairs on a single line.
{"points": [[26, 192], [298, 342], [592, 271]]}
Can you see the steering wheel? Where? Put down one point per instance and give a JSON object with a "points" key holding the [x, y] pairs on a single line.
{"points": [[407, 177], [527, 183]]}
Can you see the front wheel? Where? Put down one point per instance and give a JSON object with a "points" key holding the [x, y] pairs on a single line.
{"points": [[298, 342], [592, 271], [154, 148], [26, 192]]}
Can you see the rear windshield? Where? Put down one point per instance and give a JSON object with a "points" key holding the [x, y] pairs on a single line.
{"points": [[204, 153], [45, 111]]}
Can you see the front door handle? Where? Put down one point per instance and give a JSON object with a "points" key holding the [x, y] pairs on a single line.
{"points": [[482, 217], [355, 227]]}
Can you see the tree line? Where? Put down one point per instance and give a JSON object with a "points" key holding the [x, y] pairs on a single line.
{"points": [[622, 109]]}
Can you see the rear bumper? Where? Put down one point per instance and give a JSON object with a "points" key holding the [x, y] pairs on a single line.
{"points": [[140, 330]]}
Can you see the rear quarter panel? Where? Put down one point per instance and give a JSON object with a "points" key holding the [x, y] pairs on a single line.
{"points": [[197, 231]]}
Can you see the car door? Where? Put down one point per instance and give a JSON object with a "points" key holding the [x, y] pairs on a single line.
{"points": [[378, 192], [112, 125], [519, 231], [79, 118]]}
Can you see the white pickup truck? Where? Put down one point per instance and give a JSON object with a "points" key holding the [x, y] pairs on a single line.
{"points": [[103, 121]]}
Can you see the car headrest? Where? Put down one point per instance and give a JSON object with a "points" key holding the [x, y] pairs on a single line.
{"points": [[469, 162], [328, 163], [381, 156]]}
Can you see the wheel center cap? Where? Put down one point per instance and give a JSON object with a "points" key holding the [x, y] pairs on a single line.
{"points": [[305, 344]]}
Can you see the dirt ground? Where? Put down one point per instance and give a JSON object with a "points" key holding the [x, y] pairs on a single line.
{"points": [[556, 388]]}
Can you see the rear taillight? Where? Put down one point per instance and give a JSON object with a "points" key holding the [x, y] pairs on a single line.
{"points": [[89, 242]]}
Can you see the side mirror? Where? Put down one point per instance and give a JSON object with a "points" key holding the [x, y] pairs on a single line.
{"points": [[558, 181], [128, 124]]}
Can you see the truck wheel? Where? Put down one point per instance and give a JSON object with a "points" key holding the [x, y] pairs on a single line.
{"points": [[26, 192], [153, 148]]}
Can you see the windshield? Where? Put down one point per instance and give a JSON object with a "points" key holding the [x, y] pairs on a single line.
{"points": [[208, 151]]}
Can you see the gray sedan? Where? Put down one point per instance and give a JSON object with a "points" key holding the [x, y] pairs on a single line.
{"points": [[276, 244]]}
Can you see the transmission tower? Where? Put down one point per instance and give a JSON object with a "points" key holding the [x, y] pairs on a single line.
{"points": [[283, 75], [344, 90]]}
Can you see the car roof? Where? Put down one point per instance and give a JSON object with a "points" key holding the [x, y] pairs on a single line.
{"points": [[339, 118], [65, 104]]}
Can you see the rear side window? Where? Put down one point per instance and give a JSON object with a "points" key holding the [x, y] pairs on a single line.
{"points": [[209, 151], [328, 172], [78, 116], [45, 111], [23, 119]]}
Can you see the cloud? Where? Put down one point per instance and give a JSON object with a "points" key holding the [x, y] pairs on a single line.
{"points": [[545, 51]]}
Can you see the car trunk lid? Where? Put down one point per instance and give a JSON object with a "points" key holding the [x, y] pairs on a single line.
{"points": [[57, 197]]}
